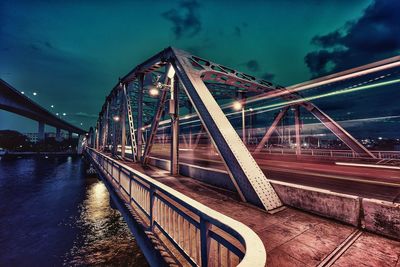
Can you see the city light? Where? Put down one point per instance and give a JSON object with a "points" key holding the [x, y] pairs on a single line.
{"points": [[116, 118], [34, 93], [22, 92], [52, 106], [64, 114], [237, 105], [154, 92], [57, 114]]}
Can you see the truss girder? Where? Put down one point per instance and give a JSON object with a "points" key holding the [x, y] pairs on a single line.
{"points": [[193, 72], [271, 129], [156, 121], [339, 131], [246, 175], [127, 102]]}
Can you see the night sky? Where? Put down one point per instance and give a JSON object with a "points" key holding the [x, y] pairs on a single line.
{"points": [[72, 53]]}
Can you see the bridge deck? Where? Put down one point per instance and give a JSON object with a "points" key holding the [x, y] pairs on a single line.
{"points": [[291, 237]]}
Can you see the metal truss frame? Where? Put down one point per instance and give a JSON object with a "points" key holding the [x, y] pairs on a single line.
{"points": [[193, 74]]}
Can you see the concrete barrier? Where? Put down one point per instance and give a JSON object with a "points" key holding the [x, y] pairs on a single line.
{"points": [[376, 216], [341, 207], [381, 217]]}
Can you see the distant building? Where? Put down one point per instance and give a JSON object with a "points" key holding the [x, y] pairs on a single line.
{"points": [[34, 137]]}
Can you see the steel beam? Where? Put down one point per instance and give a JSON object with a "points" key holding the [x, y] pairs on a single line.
{"points": [[106, 125], [246, 175], [271, 129], [339, 131], [123, 124], [156, 120], [174, 112], [140, 118], [297, 129]]}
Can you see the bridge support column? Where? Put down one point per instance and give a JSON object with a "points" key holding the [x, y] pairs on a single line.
{"points": [[40, 131], [174, 112], [58, 134]]}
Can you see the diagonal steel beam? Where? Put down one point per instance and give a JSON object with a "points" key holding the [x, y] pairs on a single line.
{"points": [[339, 131], [156, 120], [245, 174], [271, 129]]}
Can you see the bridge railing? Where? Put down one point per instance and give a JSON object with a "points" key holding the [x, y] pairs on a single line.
{"points": [[200, 235], [331, 153]]}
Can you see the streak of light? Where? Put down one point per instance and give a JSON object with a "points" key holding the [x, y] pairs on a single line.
{"points": [[367, 165], [292, 102]]}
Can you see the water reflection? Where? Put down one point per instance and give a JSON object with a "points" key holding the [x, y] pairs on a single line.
{"points": [[105, 238], [51, 214]]}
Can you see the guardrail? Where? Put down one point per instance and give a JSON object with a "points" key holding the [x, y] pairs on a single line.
{"points": [[200, 235], [331, 153]]}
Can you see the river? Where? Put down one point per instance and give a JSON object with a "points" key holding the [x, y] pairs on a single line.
{"points": [[52, 214]]}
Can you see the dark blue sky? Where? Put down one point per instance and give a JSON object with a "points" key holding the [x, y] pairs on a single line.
{"points": [[71, 53]]}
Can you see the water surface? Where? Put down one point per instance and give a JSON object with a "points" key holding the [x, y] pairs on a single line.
{"points": [[51, 214]]}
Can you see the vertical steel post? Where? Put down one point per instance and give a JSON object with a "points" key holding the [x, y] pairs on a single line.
{"points": [[40, 130], [297, 126], [140, 118], [174, 112], [105, 126], [243, 102], [123, 125], [204, 242]]}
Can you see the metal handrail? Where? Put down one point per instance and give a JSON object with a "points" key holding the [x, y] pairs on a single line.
{"points": [[333, 153], [199, 233]]}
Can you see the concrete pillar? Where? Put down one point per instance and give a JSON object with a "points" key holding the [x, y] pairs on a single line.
{"points": [[58, 134], [174, 112], [40, 131]]}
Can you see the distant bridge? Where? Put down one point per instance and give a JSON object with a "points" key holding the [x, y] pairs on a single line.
{"points": [[13, 101]]}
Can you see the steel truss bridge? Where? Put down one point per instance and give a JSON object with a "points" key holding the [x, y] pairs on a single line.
{"points": [[174, 107]]}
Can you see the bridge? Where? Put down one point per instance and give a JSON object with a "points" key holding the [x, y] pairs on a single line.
{"points": [[14, 101], [206, 179]]}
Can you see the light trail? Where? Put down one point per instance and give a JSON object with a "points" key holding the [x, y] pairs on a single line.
{"points": [[271, 107]]}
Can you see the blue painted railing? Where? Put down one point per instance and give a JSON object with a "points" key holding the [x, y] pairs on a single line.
{"points": [[199, 236]]}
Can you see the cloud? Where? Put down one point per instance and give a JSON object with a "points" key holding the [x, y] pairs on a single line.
{"points": [[253, 65], [375, 35], [268, 76], [185, 20]]}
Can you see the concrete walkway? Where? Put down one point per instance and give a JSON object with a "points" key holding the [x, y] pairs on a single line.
{"points": [[291, 237]]}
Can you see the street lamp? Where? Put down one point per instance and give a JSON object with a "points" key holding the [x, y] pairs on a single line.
{"points": [[34, 93], [116, 118], [237, 105]]}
